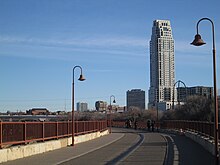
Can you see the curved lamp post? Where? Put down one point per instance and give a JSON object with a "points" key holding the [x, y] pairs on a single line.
{"points": [[110, 111], [198, 42], [81, 78], [178, 85]]}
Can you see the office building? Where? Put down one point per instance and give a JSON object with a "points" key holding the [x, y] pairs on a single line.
{"points": [[162, 73], [183, 92], [136, 99], [101, 105], [81, 107]]}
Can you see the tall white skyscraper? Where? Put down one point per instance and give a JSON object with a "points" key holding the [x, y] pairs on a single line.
{"points": [[162, 74]]}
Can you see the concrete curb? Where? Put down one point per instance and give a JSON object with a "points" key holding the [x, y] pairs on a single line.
{"points": [[205, 142], [22, 151]]}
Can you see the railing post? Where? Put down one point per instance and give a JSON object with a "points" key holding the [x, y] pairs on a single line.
{"points": [[1, 132], [57, 129], [94, 125], [25, 133], [203, 128], [68, 127], [210, 130], [101, 125], [106, 127], [43, 128], [76, 128]]}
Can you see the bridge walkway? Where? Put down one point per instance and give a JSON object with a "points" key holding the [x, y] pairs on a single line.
{"points": [[126, 146]]}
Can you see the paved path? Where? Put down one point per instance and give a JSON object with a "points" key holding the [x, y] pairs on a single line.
{"points": [[184, 151], [151, 151], [66, 153], [126, 146], [109, 153]]}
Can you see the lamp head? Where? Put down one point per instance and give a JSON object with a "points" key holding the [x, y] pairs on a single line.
{"points": [[81, 78], [114, 101], [198, 41]]}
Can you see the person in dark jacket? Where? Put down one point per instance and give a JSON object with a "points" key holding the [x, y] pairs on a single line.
{"points": [[135, 124], [152, 125], [148, 125]]}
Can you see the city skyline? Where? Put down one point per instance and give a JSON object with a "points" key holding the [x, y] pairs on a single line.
{"points": [[41, 41]]}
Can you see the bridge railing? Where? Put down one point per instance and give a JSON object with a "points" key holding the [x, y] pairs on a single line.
{"points": [[200, 127], [25, 132], [140, 124]]}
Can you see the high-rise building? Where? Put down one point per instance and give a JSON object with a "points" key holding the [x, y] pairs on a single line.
{"points": [[136, 98], [162, 75], [81, 107]]}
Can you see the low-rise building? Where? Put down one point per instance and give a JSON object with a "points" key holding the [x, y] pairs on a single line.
{"points": [[101, 105], [183, 93], [38, 111]]}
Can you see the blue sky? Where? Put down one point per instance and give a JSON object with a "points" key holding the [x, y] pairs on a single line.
{"points": [[41, 41]]}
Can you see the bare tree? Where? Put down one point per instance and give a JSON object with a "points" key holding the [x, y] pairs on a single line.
{"points": [[195, 108]]}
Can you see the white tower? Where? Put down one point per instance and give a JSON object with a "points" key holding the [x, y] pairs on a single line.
{"points": [[162, 75]]}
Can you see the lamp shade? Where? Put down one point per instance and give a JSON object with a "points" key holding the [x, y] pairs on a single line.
{"points": [[81, 78], [198, 41]]}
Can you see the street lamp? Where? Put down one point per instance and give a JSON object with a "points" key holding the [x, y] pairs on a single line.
{"points": [[110, 119], [198, 42], [81, 78], [178, 95]]}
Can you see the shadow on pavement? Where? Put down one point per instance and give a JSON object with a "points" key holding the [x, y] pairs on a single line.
{"points": [[189, 152]]}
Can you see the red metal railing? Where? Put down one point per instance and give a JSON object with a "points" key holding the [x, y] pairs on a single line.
{"points": [[202, 128], [140, 124], [118, 124], [24, 132]]}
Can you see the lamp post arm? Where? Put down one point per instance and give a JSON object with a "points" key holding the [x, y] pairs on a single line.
{"points": [[177, 82], [73, 84], [111, 99], [213, 30], [74, 70]]}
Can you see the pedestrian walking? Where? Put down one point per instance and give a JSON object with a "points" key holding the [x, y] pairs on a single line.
{"points": [[152, 125], [128, 123], [148, 125], [135, 124]]}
